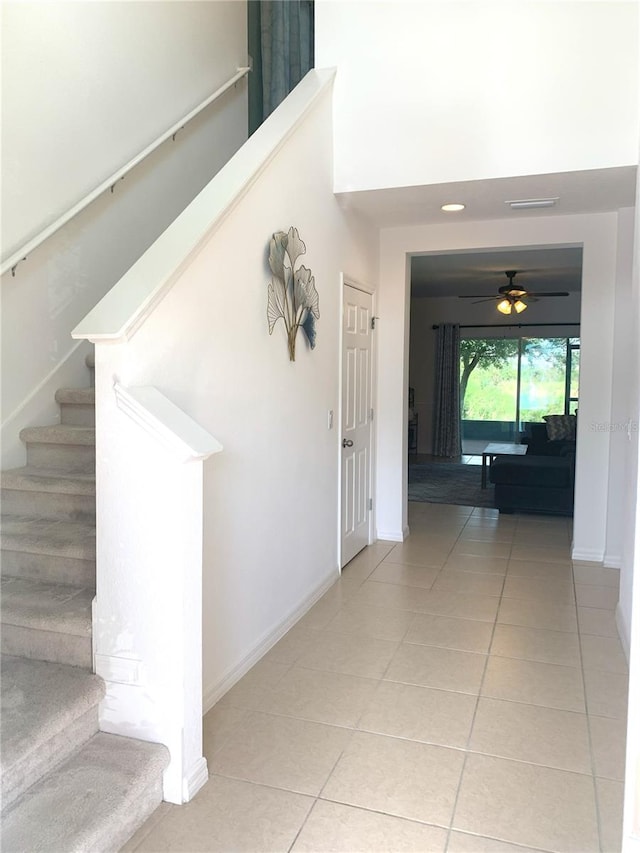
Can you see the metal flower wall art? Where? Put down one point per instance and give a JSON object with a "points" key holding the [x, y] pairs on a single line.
{"points": [[292, 292]]}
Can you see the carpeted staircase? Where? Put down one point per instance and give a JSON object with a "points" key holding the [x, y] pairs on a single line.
{"points": [[65, 785]]}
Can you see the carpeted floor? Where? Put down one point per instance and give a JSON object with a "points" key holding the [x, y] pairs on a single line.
{"points": [[448, 483]]}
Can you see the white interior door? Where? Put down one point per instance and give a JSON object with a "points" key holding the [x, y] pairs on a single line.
{"points": [[356, 421]]}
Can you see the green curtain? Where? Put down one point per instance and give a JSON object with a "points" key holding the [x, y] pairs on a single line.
{"points": [[281, 37]]}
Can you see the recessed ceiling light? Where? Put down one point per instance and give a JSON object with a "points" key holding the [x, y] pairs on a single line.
{"points": [[524, 203], [452, 207]]}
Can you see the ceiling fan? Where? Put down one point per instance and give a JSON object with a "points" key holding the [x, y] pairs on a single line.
{"points": [[510, 297]]}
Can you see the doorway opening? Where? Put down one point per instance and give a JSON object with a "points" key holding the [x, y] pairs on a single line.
{"points": [[514, 368]]}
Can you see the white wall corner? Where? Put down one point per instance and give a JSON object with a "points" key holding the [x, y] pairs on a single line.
{"points": [[196, 778]]}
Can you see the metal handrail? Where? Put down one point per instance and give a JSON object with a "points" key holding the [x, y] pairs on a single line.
{"points": [[21, 254]]}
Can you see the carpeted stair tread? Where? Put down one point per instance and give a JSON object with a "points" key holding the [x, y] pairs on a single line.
{"points": [[76, 396], [59, 434], [43, 606], [92, 802], [29, 478], [39, 700], [74, 539]]}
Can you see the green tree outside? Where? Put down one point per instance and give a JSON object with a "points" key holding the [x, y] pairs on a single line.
{"points": [[489, 378]]}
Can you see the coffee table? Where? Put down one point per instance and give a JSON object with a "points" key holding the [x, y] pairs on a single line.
{"points": [[499, 449]]}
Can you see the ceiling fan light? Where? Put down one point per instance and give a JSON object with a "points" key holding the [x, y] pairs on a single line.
{"points": [[519, 305], [504, 307]]}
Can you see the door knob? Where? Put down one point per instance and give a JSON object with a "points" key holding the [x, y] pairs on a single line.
{"points": [[346, 442]]}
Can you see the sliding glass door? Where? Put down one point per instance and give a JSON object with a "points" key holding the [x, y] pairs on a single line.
{"points": [[488, 388], [505, 383]]}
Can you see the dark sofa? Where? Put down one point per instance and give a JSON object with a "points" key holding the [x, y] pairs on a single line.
{"points": [[536, 437], [540, 481]]}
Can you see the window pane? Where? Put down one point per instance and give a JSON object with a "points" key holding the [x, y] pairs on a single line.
{"points": [[542, 378], [488, 382]]}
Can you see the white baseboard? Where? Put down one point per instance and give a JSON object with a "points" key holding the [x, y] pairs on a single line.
{"points": [[392, 535], [214, 692], [195, 779], [612, 561], [625, 639], [585, 555]]}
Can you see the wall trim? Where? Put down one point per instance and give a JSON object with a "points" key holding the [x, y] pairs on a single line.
{"points": [[214, 692], [392, 535], [612, 561], [587, 556], [196, 778], [166, 423]]}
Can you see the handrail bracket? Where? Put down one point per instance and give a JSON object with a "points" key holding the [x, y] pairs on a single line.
{"points": [[14, 267]]}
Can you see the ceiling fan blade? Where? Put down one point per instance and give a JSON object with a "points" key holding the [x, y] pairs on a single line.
{"points": [[480, 296], [553, 293], [488, 299]]}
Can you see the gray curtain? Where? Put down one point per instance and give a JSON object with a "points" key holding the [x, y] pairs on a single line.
{"points": [[281, 36], [446, 429]]}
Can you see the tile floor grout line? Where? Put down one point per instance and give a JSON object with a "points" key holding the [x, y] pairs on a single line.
{"points": [[473, 720], [302, 825], [596, 798], [466, 751]]}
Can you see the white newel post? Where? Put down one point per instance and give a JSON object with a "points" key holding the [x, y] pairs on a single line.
{"points": [[148, 615]]}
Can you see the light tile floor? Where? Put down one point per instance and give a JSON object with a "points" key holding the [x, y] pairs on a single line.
{"points": [[462, 691]]}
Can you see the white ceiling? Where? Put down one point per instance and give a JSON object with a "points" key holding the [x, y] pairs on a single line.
{"points": [[482, 273], [472, 273]]}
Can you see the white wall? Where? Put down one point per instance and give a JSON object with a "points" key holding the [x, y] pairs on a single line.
{"points": [[85, 87], [440, 91], [426, 311], [270, 499], [629, 605], [623, 422], [598, 235]]}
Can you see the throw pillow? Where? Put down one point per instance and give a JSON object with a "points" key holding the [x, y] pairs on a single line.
{"points": [[560, 427]]}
